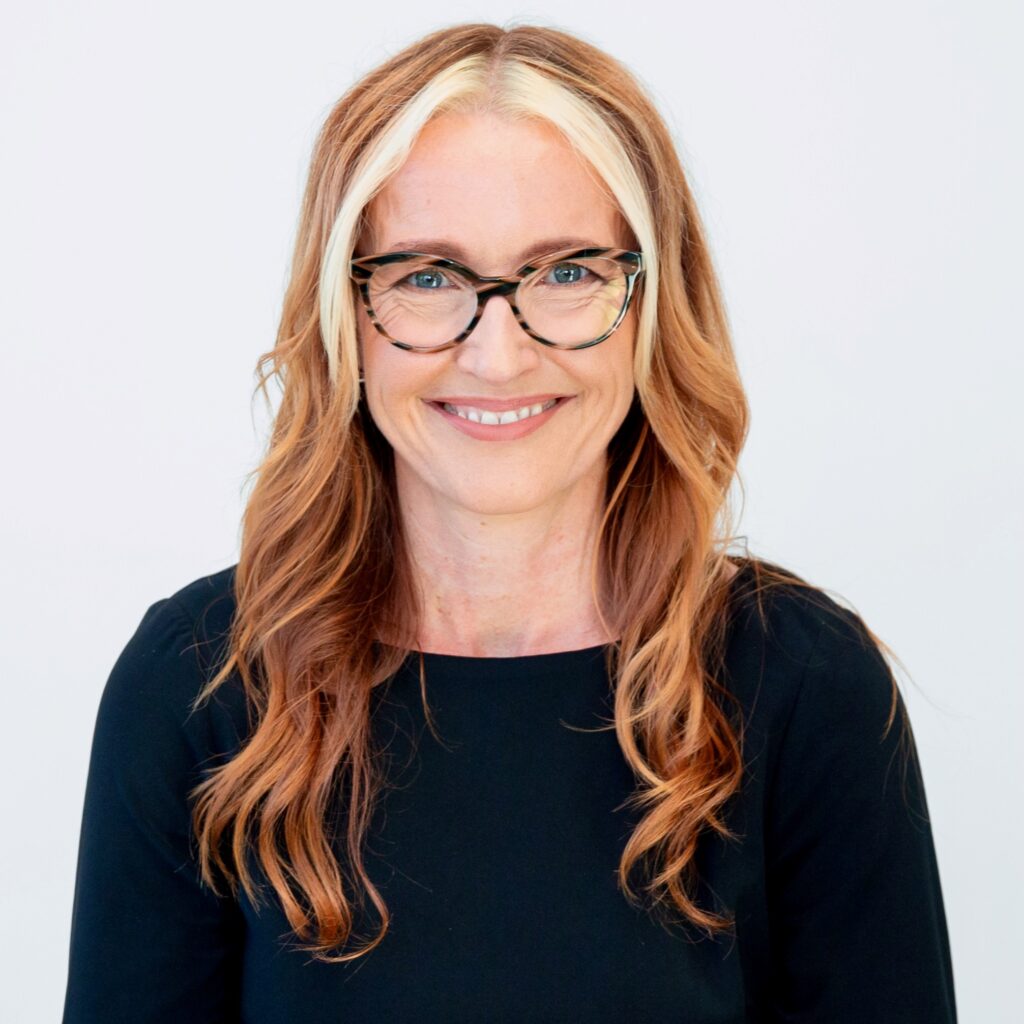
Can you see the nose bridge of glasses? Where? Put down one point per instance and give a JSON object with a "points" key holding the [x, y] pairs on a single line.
{"points": [[496, 288], [488, 287]]}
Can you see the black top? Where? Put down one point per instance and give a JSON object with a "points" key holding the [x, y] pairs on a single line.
{"points": [[497, 852]]}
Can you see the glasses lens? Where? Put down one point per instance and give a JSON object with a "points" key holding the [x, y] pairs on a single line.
{"points": [[420, 303], [570, 302]]}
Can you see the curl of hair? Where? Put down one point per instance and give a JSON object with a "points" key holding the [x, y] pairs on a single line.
{"points": [[323, 571]]}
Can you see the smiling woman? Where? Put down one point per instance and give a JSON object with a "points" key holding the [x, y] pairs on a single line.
{"points": [[488, 722]]}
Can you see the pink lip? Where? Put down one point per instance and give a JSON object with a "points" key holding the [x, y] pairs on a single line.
{"points": [[501, 431], [497, 404]]}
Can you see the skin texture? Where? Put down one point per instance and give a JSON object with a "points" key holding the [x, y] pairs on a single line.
{"points": [[501, 533]]}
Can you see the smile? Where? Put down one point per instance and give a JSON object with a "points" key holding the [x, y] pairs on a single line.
{"points": [[467, 412], [487, 425]]}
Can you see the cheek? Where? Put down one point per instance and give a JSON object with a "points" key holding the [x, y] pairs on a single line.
{"points": [[395, 379], [363, 329], [377, 356]]}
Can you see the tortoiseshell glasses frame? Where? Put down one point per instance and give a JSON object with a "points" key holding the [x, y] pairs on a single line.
{"points": [[632, 263]]}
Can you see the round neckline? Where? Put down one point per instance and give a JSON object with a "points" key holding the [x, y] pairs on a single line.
{"points": [[478, 660]]}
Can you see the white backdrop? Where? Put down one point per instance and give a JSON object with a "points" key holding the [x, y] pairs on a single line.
{"points": [[858, 167]]}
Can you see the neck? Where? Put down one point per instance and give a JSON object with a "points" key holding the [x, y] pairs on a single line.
{"points": [[504, 584]]}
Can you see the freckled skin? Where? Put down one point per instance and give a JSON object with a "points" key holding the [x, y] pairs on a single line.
{"points": [[492, 525]]}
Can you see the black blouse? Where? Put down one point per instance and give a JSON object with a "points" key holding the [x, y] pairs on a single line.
{"points": [[496, 851]]}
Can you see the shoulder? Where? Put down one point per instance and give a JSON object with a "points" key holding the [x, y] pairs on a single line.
{"points": [[804, 661], [786, 608], [176, 647], [827, 732], [179, 634], [208, 602]]}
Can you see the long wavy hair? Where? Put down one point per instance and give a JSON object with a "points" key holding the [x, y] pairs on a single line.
{"points": [[323, 571]]}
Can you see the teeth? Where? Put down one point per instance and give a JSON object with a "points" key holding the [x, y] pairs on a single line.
{"points": [[485, 416]]}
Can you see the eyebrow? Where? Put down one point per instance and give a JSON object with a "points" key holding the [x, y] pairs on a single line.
{"points": [[454, 251]]}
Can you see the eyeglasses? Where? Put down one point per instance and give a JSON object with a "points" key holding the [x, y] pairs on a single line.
{"points": [[569, 299]]}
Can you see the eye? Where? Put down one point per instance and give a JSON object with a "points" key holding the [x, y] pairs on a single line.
{"points": [[426, 280], [567, 273]]}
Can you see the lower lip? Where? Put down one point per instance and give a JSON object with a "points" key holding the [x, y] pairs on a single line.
{"points": [[500, 431]]}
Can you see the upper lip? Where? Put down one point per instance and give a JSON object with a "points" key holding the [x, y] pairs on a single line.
{"points": [[497, 404]]}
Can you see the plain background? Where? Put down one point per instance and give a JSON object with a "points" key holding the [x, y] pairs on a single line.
{"points": [[858, 167]]}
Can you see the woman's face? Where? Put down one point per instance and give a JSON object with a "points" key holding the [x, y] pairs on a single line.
{"points": [[493, 194]]}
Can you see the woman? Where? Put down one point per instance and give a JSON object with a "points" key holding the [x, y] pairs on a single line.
{"points": [[486, 723]]}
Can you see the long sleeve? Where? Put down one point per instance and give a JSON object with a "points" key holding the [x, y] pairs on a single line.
{"points": [[855, 903], [149, 944]]}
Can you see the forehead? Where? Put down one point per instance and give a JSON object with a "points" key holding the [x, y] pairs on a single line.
{"points": [[493, 187]]}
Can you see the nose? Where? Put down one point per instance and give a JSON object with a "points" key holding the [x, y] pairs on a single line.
{"points": [[498, 349]]}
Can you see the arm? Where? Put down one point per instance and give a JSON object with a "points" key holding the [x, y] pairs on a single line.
{"points": [[148, 943], [858, 927]]}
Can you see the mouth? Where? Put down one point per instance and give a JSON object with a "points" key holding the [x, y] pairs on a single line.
{"points": [[490, 416], [492, 425]]}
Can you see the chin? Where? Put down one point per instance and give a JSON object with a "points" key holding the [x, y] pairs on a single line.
{"points": [[500, 500], [498, 507]]}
